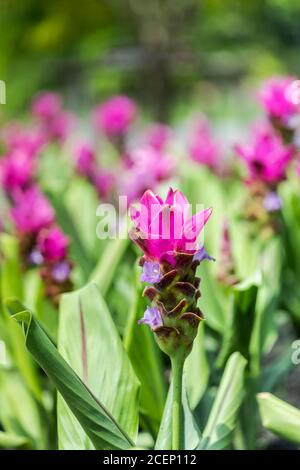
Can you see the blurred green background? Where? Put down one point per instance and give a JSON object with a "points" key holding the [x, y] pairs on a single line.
{"points": [[163, 52]]}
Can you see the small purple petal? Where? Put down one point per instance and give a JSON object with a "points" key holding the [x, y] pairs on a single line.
{"points": [[61, 271], [202, 254], [151, 272], [152, 317], [36, 258], [272, 202]]}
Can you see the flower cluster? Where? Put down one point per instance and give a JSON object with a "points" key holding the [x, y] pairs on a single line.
{"points": [[266, 156], [42, 243], [141, 163], [280, 99], [143, 168], [203, 147], [157, 136], [167, 236], [54, 122], [114, 117]]}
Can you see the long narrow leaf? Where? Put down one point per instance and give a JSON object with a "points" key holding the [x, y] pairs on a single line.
{"points": [[90, 343], [279, 417], [223, 416], [99, 425]]}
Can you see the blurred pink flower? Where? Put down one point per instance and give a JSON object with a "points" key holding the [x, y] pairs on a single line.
{"points": [[16, 170], [55, 123], [85, 159], [15, 136], [146, 167], [32, 211], [46, 106], [52, 243], [266, 156], [203, 148], [164, 227], [60, 126], [115, 115], [103, 181], [157, 136], [276, 97]]}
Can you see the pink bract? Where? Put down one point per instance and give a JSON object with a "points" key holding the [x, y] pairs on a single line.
{"points": [[203, 148], [115, 115], [157, 136], [85, 159], [32, 211], [276, 97], [146, 167], [165, 226], [46, 106], [266, 156], [52, 244], [16, 170]]}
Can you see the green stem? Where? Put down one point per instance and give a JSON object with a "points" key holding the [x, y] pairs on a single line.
{"points": [[177, 412]]}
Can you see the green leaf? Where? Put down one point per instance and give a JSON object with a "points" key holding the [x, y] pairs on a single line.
{"points": [[78, 251], [81, 194], [214, 302], [95, 419], [13, 441], [11, 276], [104, 271], [35, 300], [19, 411], [89, 341], [11, 285], [279, 417], [222, 419], [265, 329], [191, 433], [197, 369], [240, 320]]}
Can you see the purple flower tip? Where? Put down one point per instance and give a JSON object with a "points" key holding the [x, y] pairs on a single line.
{"points": [[151, 272], [152, 318], [36, 258], [202, 254], [272, 202], [61, 271]]}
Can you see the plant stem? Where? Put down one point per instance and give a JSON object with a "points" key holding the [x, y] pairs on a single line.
{"points": [[177, 414]]}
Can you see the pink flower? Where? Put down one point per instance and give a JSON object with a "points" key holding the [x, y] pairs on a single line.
{"points": [[52, 244], [60, 126], [146, 168], [266, 156], [17, 137], [157, 136], [276, 97], [16, 170], [85, 159], [32, 211], [114, 117], [164, 228], [55, 122], [159, 164], [46, 106], [103, 181], [203, 148]]}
